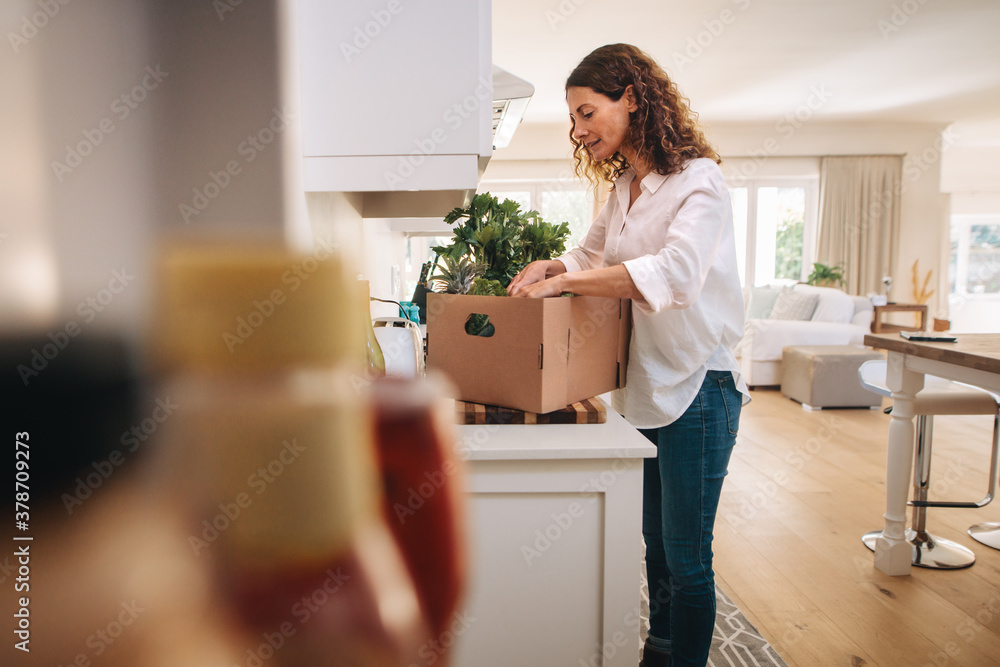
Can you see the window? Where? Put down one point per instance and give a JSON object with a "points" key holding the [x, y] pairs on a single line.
{"points": [[418, 251], [974, 266], [555, 201], [775, 223]]}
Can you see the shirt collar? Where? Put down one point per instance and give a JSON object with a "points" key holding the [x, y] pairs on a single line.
{"points": [[651, 182]]}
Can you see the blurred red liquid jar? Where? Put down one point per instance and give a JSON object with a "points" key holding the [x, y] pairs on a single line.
{"points": [[272, 459], [424, 490]]}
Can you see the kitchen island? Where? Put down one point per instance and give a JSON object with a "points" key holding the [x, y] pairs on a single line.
{"points": [[554, 517]]}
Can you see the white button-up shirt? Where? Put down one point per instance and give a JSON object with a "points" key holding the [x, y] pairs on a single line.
{"points": [[678, 246]]}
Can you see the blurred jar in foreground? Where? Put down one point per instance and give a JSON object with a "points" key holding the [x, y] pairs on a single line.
{"points": [[424, 490], [271, 455]]}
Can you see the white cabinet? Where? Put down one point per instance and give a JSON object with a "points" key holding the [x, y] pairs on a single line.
{"points": [[396, 94], [555, 515]]}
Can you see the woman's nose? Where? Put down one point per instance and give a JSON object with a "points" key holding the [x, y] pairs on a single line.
{"points": [[578, 131]]}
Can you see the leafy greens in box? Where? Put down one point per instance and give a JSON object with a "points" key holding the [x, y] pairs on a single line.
{"points": [[493, 242], [497, 240]]}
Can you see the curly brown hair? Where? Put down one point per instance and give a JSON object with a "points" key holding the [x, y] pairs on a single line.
{"points": [[663, 131]]}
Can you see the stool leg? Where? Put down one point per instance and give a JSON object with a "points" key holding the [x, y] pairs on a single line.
{"points": [[922, 471], [986, 533], [929, 550], [989, 533]]}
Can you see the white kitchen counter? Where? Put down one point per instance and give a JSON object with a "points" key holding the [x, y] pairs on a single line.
{"points": [[555, 539], [614, 439]]}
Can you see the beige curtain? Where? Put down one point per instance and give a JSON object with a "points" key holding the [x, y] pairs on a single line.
{"points": [[859, 218]]}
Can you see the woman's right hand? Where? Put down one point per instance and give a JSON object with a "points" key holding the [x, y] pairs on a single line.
{"points": [[533, 273]]}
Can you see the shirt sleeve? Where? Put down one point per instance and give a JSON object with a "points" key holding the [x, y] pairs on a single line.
{"points": [[674, 276], [589, 254]]}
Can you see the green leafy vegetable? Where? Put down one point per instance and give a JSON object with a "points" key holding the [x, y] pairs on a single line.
{"points": [[501, 237]]}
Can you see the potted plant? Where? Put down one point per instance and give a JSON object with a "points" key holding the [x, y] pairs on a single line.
{"points": [[493, 241], [500, 237], [826, 276]]}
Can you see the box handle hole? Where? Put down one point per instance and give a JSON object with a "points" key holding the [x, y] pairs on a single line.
{"points": [[478, 324]]}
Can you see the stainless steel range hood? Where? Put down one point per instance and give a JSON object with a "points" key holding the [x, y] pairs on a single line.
{"points": [[510, 99]]}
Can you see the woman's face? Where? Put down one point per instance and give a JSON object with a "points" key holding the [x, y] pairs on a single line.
{"points": [[599, 123]]}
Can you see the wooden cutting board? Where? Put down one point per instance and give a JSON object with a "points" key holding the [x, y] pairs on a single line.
{"points": [[589, 411]]}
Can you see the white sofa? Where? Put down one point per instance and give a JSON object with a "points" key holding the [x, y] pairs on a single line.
{"points": [[836, 319]]}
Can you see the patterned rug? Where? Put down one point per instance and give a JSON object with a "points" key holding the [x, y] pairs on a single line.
{"points": [[735, 643]]}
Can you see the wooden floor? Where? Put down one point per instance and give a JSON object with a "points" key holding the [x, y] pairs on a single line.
{"points": [[803, 488]]}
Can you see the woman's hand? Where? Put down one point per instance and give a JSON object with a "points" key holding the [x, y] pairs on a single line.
{"points": [[533, 273], [550, 287]]}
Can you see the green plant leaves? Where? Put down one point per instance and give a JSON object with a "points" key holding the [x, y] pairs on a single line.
{"points": [[822, 273], [487, 287], [457, 275], [501, 237]]}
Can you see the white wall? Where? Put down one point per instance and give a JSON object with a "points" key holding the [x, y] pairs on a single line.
{"points": [[368, 246]]}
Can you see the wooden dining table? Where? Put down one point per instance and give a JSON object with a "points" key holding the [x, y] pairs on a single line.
{"points": [[973, 359]]}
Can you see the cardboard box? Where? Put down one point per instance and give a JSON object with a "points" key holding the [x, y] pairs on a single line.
{"points": [[543, 355]]}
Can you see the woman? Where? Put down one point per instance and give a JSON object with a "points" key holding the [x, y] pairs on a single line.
{"points": [[664, 240]]}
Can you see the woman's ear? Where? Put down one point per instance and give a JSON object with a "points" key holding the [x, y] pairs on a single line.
{"points": [[630, 99]]}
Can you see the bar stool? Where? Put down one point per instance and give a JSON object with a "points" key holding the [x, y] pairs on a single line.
{"points": [[986, 533], [938, 397]]}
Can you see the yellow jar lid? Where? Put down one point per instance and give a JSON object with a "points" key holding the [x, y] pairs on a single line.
{"points": [[254, 307]]}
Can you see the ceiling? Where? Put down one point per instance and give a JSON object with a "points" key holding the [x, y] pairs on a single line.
{"points": [[932, 61]]}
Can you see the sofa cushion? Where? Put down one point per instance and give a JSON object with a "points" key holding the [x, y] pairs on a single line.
{"points": [[794, 305], [764, 339], [761, 302], [863, 311], [834, 306]]}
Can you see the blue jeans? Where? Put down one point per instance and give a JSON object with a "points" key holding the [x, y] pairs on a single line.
{"points": [[681, 489]]}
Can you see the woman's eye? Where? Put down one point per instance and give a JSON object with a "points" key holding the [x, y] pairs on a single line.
{"points": [[588, 114]]}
